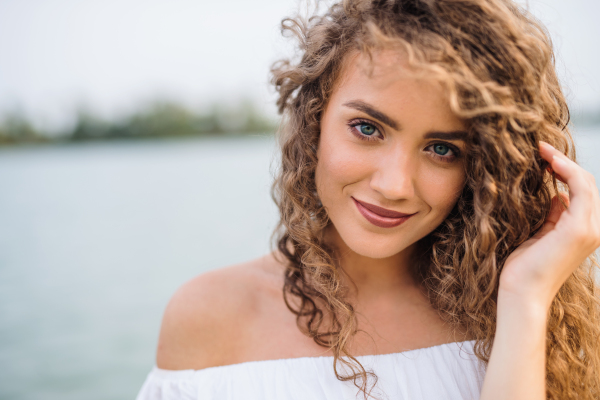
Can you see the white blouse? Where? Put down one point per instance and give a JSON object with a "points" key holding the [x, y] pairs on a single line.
{"points": [[449, 371]]}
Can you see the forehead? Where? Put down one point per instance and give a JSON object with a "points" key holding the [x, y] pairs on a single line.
{"points": [[387, 81], [380, 65]]}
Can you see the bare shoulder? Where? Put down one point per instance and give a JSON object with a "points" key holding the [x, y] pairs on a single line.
{"points": [[207, 320]]}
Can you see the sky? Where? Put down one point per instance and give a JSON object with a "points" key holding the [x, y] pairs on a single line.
{"points": [[112, 56]]}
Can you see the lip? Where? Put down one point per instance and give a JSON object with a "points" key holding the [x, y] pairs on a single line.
{"points": [[379, 216]]}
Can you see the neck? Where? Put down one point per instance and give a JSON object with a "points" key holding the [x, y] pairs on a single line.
{"points": [[368, 278]]}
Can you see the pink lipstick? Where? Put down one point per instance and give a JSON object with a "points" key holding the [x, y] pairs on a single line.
{"points": [[379, 216]]}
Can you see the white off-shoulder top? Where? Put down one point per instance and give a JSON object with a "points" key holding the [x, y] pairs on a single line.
{"points": [[446, 372]]}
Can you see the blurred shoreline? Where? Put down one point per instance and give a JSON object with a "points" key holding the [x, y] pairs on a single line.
{"points": [[168, 119], [160, 119]]}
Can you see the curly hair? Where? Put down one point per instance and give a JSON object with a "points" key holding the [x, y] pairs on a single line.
{"points": [[497, 64]]}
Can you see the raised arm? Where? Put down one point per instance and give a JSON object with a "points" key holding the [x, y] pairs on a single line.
{"points": [[530, 280]]}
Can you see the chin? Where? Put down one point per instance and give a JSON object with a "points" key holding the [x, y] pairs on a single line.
{"points": [[376, 248]]}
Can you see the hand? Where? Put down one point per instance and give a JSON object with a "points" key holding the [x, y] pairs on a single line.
{"points": [[537, 268]]}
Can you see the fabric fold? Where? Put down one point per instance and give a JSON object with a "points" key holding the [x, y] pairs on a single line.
{"points": [[449, 371]]}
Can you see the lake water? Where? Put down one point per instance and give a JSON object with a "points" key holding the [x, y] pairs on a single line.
{"points": [[95, 238]]}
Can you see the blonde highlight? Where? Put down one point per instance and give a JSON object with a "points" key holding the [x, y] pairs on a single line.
{"points": [[497, 65]]}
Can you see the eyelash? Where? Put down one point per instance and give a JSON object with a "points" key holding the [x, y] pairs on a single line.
{"points": [[356, 122]]}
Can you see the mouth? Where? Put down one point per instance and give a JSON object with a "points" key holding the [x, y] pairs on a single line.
{"points": [[379, 216]]}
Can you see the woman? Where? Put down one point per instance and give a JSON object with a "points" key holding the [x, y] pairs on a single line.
{"points": [[424, 248]]}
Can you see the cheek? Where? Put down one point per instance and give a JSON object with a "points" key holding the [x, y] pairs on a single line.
{"points": [[441, 189], [337, 167]]}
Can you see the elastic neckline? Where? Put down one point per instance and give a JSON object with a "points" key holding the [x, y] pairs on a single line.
{"points": [[185, 372]]}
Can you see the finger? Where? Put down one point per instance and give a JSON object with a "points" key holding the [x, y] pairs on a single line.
{"points": [[580, 188], [556, 209], [551, 171]]}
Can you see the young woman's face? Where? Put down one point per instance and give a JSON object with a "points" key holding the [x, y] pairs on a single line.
{"points": [[389, 142]]}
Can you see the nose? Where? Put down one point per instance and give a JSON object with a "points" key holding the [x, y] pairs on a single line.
{"points": [[394, 175]]}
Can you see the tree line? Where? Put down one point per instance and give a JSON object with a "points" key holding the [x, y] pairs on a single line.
{"points": [[160, 119]]}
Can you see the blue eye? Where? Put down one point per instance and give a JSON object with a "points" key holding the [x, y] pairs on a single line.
{"points": [[366, 129], [444, 152], [441, 149]]}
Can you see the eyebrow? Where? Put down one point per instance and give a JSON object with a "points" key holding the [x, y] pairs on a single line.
{"points": [[367, 109], [452, 135]]}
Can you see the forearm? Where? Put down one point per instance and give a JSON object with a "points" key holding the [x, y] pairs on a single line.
{"points": [[517, 365]]}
